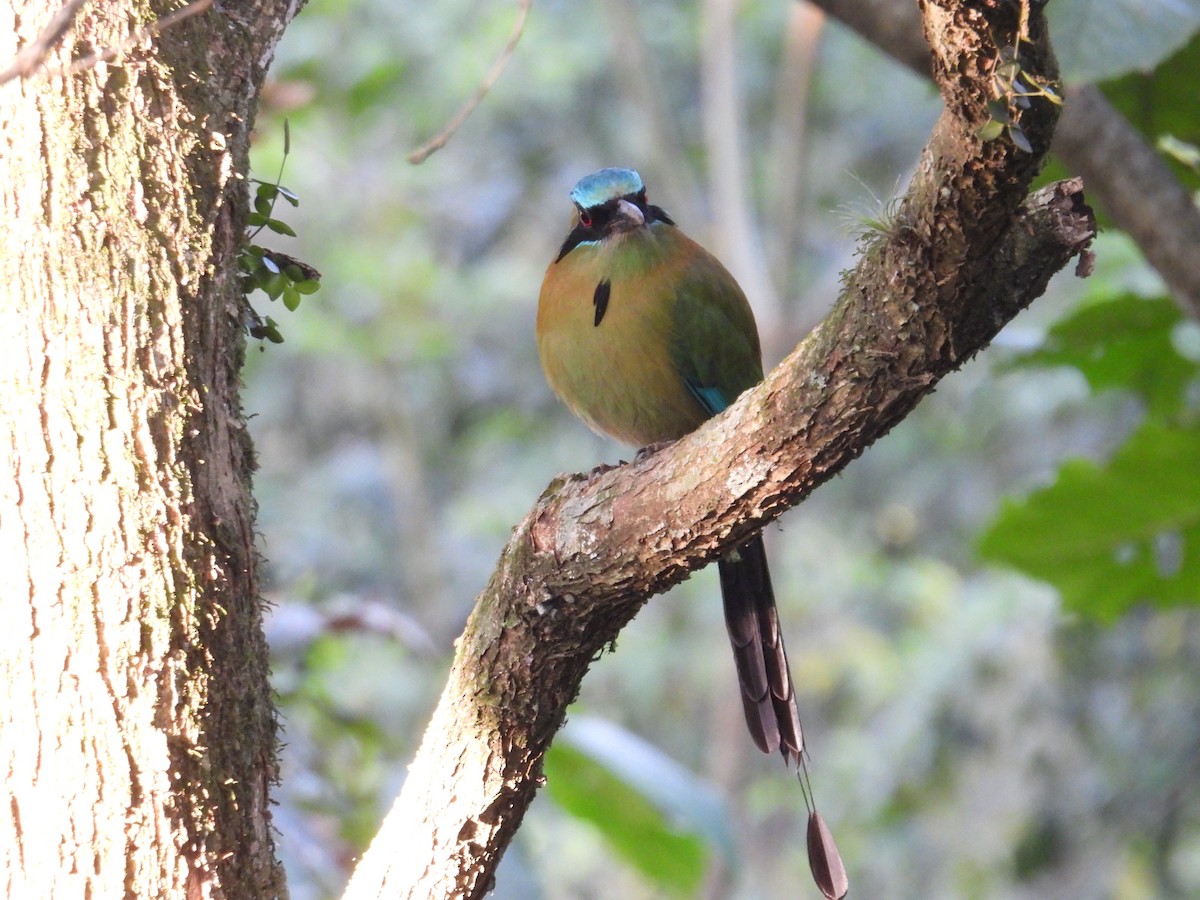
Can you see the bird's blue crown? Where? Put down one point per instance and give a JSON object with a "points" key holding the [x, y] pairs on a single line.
{"points": [[607, 184]]}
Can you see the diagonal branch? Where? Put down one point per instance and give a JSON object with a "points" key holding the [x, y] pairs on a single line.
{"points": [[35, 52], [1124, 174], [153, 29], [438, 141], [967, 251], [30, 58]]}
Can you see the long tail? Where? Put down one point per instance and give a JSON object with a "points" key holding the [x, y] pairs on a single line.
{"points": [[767, 695], [753, 624]]}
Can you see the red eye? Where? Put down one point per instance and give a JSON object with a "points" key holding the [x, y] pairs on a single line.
{"points": [[584, 219]]}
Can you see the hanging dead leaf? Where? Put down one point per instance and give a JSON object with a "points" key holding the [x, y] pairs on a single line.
{"points": [[824, 859]]}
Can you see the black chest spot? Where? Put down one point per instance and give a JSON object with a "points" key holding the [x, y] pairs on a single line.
{"points": [[600, 300]]}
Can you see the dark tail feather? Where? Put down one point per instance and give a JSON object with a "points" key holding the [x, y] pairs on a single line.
{"points": [[762, 668]]}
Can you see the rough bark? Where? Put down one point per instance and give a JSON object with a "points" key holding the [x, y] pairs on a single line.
{"points": [[137, 736], [1123, 173], [966, 252]]}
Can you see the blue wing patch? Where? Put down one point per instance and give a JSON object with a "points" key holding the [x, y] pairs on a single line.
{"points": [[710, 398]]}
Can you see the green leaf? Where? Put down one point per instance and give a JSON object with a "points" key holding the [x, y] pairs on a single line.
{"points": [[990, 130], [262, 207], [1126, 343], [1098, 40], [264, 329], [291, 299], [998, 109], [256, 219], [308, 286], [1111, 536], [288, 195], [280, 227], [1164, 101], [650, 810], [1019, 139], [274, 285]]}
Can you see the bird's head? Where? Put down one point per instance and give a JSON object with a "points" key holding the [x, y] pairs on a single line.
{"points": [[608, 204]]}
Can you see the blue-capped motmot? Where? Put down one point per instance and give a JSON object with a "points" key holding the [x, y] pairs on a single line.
{"points": [[644, 335]]}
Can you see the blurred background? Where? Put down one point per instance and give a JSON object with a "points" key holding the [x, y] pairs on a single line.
{"points": [[997, 676]]}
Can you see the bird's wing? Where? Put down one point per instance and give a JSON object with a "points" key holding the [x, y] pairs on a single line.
{"points": [[714, 339]]}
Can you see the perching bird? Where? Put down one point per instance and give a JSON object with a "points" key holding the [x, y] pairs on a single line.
{"points": [[644, 335]]}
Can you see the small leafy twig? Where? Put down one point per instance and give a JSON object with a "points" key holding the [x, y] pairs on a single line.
{"points": [[276, 274], [31, 55], [1015, 89], [270, 191], [35, 52], [151, 30]]}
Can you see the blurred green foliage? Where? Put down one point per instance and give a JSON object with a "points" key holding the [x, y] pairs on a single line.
{"points": [[968, 739], [1161, 101], [1110, 536], [1124, 342], [672, 858]]}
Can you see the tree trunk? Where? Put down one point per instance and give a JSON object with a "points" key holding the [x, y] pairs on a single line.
{"points": [[137, 735]]}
